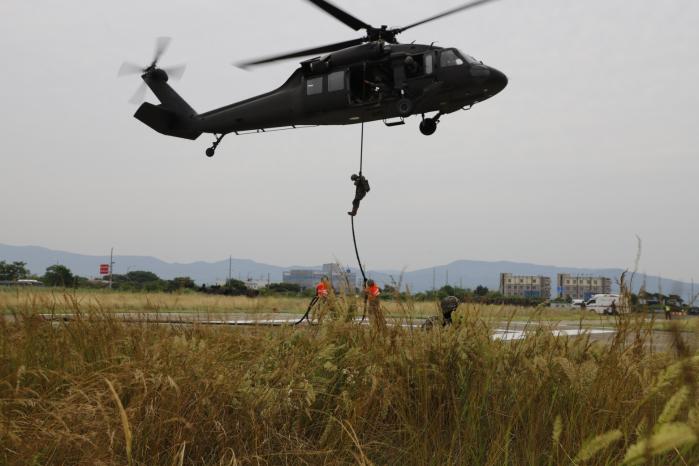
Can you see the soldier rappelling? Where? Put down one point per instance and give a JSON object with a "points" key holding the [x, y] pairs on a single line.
{"points": [[361, 189]]}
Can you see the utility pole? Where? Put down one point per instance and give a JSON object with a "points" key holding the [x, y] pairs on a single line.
{"points": [[447, 277], [230, 267], [111, 267], [434, 272]]}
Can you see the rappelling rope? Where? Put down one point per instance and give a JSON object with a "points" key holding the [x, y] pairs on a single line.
{"points": [[354, 235], [361, 151], [310, 306]]}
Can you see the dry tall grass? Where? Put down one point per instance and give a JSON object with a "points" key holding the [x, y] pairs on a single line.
{"points": [[98, 391], [49, 300]]}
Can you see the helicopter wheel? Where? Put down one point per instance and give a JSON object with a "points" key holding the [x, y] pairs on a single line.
{"points": [[405, 107], [428, 126], [210, 152]]}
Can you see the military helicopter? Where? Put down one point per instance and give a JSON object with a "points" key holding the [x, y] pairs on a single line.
{"points": [[360, 80]]}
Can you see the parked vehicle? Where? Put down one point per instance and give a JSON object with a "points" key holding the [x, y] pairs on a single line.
{"points": [[27, 282], [603, 304], [22, 282], [693, 311]]}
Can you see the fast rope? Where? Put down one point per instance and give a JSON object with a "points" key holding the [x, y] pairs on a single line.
{"points": [[308, 311], [354, 235], [356, 249]]}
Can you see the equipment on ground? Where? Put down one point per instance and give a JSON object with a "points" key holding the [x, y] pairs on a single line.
{"points": [[365, 79]]}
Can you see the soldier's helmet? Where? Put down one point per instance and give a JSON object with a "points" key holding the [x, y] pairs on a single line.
{"points": [[449, 304], [354, 177]]}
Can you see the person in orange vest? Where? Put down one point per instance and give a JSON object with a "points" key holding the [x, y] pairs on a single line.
{"points": [[322, 287], [322, 293], [373, 293]]}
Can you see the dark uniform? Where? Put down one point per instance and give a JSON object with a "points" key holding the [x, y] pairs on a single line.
{"points": [[448, 305], [362, 187]]}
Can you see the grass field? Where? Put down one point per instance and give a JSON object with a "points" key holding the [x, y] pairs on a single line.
{"points": [[25, 300], [99, 391]]}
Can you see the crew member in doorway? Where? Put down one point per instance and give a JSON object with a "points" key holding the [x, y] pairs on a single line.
{"points": [[361, 188], [373, 293]]}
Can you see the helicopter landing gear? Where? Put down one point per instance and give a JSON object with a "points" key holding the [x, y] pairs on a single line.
{"points": [[429, 125], [212, 150], [405, 107]]}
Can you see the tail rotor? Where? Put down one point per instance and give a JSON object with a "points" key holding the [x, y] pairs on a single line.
{"points": [[152, 70]]}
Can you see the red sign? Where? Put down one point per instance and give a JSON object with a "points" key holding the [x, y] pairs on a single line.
{"points": [[104, 269]]}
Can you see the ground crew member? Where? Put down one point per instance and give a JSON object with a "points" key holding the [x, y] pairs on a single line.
{"points": [[668, 313], [361, 188], [372, 293], [448, 306], [321, 298], [322, 288]]}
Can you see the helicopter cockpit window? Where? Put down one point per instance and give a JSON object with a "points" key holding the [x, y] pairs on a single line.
{"points": [[336, 81], [449, 58], [470, 60], [314, 86]]}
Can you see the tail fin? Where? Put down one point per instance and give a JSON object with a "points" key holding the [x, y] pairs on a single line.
{"points": [[174, 116]]}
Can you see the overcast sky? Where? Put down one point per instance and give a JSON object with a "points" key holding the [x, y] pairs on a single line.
{"points": [[594, 140]]}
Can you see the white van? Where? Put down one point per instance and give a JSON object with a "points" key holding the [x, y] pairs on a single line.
{"points": [[603, 303]]}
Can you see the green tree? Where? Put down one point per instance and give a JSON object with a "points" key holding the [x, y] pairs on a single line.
{"points": [[142, 277], [14, 271], [235, 287], [181, 283], [481, 290], [283, 288], [58, 275]]}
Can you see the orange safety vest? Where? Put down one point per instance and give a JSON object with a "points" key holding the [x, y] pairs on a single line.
{"points": [[321, 290], [373, 292]]}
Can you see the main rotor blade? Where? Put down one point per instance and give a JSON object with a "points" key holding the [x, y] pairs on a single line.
{"points": [[341, 15], [302, 53], [161, 45], [127, 68], [446, 13]]}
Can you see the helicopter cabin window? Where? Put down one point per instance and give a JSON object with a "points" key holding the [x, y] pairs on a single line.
{"points": [[314, 86], [449, 58], [336, 81], [429, 63]]}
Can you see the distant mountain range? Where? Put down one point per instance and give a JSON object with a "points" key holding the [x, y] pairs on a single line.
{"points": [[465, 273]]}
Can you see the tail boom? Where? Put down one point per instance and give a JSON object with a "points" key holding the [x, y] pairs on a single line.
{"points": [[174, 116]]}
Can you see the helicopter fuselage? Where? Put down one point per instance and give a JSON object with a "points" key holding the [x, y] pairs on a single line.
{"points": [[368, 82]]}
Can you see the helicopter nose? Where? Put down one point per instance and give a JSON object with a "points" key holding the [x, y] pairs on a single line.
{"points": [[497, 81]]}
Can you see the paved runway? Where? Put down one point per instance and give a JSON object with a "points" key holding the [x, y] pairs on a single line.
{"points": [[515, 330]]}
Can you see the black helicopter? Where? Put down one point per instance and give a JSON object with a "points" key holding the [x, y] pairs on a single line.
{"points": [[360, 80]]}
